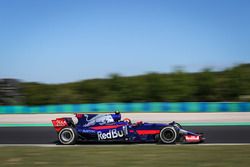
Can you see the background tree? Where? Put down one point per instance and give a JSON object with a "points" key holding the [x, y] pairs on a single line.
{"points": [[232, 84]]}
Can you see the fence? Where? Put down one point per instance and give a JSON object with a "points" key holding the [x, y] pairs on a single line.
{"points": [[131, 107]]}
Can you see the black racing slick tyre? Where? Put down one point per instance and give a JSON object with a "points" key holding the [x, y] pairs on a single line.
{"points": [[168, 135], [68, 136]]}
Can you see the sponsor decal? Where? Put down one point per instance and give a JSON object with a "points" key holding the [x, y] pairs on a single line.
{"points": [[192, 138], [88, 131], [100, 119], [61, 122], [111, 134]]}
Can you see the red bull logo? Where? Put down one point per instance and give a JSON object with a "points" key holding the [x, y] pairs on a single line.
{"points": [[112, 134]]}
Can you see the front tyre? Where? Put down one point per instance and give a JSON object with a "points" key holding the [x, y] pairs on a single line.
{"points": [[168, 135], [68, 136]]}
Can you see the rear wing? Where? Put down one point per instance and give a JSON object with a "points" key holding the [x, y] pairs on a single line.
{"points": [[60, 123]]}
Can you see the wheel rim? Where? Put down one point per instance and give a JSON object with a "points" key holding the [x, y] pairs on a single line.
{"points": [[168, 135], [66, 136]]}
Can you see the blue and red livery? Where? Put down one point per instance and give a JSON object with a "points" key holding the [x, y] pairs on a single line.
{"points": [[110, 128]]}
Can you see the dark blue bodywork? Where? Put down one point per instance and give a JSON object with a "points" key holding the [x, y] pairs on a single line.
{"points": [[110, 127]]}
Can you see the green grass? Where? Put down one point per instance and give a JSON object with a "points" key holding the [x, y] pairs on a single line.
{"points": [[127, 156]]}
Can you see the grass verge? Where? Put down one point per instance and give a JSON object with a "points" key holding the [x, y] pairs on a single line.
{"points": [[127, 156]]}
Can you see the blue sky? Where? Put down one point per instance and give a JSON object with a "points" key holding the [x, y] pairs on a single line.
{"points": [[57, 41]]}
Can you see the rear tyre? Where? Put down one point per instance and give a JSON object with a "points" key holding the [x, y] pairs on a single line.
{"points": [[168, 135], [68, 136]]}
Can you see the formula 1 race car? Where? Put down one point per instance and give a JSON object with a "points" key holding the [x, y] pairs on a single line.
{"points": [[110, 127]]}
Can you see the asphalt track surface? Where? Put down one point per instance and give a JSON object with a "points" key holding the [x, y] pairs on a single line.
{"points": [[47, 135]]}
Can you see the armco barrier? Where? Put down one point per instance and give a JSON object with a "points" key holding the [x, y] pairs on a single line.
{"points": [[131, 107]]}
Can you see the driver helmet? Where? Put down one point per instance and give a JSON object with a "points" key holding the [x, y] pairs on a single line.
{"points": [[127, 120]]}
